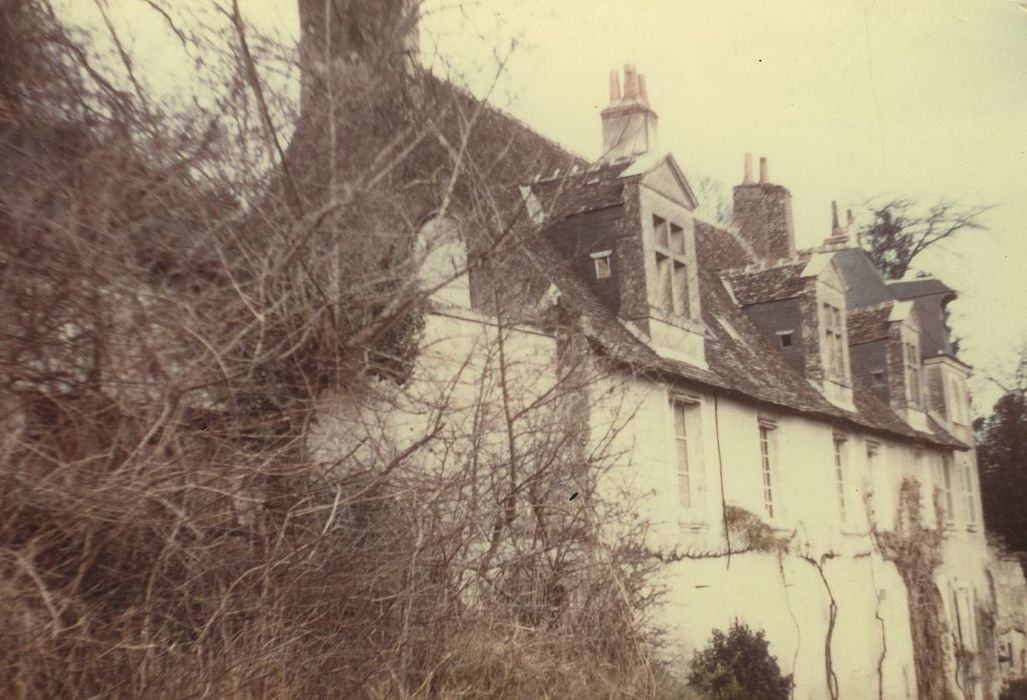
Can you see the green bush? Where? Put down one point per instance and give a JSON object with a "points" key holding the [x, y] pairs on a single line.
{"points": [[738, 666]]}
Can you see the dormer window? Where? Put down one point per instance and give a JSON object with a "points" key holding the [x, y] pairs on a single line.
{"points": [[671, 267], [958, 410], [913, 391], [834, 342], [601, 260]]}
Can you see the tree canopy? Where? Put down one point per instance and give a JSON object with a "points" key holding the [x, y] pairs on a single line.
{"points": [[1002, 454]]}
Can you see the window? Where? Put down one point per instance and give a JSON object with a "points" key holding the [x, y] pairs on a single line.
{"points": [[834, 341], [963, 601], [677, 239], [681, 453], [839, 475], [662, 231], [878, 377], [665, 282], [687, 450], [913, 374], [670, 292], [946, 483], [602, 265], [968, 492], [958, 409], [766, 460], [680, 288], [786, 338], [873, 450], [918, 476]]}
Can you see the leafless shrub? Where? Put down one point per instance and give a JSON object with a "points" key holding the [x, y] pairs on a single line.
{"points": [[184, 295]]}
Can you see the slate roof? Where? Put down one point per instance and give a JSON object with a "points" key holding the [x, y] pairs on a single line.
{"points": [[913, 289], [764, 285], [750, 368], [580, 190], [870, 324]]}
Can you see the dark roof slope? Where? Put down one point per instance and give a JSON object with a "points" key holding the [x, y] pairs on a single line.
{"points": [[748, 366], [763, 285], [582, 189], [867, 325], [913, 289]]}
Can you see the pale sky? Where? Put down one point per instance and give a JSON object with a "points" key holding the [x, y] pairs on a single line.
{"points": [[925, 98]]}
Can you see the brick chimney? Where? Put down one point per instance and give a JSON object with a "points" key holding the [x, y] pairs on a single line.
{"points": [[629, 123], [763, 215], [381, 34]]}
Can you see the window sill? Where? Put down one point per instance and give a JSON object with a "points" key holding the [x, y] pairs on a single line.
{"points": [[694, 525], [971, 528], [853, 532]]}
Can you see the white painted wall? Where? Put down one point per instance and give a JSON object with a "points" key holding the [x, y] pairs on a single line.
{"points": [[786, 597], [783, 595]]}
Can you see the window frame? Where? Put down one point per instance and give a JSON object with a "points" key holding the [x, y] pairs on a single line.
{"points": [[840, 456], [767, 435], [834, 341], [687, 452], [969, 493], [948, 489], [670, 293], [914, 380]]}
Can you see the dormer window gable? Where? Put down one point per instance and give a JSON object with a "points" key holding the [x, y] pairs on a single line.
{"points": [[660, 278], [906, 386], [825, 328]]}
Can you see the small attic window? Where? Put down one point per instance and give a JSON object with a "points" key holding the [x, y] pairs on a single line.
{"points": [[786, 338], [601, 260]]}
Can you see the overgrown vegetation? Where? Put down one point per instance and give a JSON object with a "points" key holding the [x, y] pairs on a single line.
{"points": [[738, 666], [207, 328], [914, 548]]}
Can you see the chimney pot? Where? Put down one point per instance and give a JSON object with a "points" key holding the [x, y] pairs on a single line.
{"points": [[763, 171], [849, 219], [747, 175], [628, 132], [630, 82], [614, 87], [834, 216]]}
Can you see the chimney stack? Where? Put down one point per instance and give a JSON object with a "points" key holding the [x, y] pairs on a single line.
{"points": [[747, 176], [839, 237], [629, 123], [614, 87], [763, 215], [383, 36]]}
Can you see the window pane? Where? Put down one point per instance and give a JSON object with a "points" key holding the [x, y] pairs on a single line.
{"points": [[660, 229], [768, 493], [680, 289], [946, 466], [839, 473], [971, 510], [666, 284], [677, 239], [681, 448]]}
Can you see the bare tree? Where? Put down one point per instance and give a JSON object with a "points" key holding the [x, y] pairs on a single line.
{"points": [[901, 229]]}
